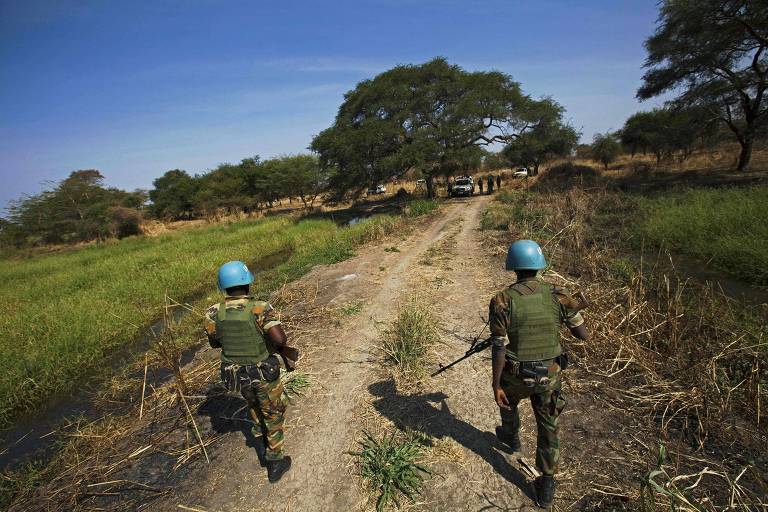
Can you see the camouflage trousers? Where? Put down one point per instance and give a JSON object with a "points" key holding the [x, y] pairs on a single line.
{"points": [[268, 409], [548, 402]]}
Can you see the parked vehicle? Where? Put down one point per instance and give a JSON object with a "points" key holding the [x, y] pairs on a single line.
{"points": [[521, 172], [378, 189], [463, 187]]}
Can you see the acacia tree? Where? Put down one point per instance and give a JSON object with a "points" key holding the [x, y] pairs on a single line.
{"points": [[549, 138], [431, 117], [173, 195], [302, 176], [605, 148], [714, 53], [665, 131]]}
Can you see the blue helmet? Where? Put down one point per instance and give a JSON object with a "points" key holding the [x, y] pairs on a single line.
{"points": [[234, 273], [525, 255]]}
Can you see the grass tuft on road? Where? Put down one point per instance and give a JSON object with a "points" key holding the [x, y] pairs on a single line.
{"points": [[406, 343], [389, 464]]}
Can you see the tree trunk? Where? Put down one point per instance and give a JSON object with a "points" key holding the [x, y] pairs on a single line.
{"points": [[746, 152], [430, 186]]}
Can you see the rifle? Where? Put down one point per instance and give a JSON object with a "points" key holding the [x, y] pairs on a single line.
{"points": [[476, 347]]}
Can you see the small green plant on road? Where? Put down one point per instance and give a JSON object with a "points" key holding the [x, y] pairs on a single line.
{"points": [[390, 466]]}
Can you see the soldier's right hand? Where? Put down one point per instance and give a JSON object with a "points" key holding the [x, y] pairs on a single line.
{"points": [[501, 398]]}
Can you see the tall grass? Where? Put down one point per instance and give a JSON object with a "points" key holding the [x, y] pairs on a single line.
{"points": [[419, 207], [726, 227], [66, 314]]}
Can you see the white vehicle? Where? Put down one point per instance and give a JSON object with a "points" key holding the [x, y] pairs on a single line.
{"points": [[378, 189], [521, 172], [463, 186]]}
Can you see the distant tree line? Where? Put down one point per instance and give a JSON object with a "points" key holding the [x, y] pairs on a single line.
{"points": [[81, 208]]}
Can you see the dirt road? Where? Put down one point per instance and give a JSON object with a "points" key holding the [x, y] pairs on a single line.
{"points": [[443, 262]]}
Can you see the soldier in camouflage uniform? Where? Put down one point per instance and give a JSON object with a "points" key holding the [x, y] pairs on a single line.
{"points": [[525, 320], [249, 337]]}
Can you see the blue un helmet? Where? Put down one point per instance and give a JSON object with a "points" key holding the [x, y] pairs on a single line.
{"points": [[234, 273], [525, 255]]}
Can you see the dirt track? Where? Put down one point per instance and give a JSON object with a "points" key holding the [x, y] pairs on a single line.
{"points": [[441, 261]]}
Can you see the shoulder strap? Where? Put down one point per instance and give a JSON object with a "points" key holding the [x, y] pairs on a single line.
{"points": [[221, 314]]}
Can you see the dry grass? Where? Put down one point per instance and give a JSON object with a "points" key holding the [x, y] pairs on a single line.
{"points": [[407, 342], [679, 354]]}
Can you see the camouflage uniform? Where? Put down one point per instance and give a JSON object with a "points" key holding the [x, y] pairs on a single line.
{"points": [[265, 398], [547, 398]]}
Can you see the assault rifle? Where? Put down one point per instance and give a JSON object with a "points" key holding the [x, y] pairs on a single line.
{"points": [[477, 346]]}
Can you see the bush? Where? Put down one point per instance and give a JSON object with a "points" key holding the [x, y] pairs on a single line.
{"points": [[567, 175]]}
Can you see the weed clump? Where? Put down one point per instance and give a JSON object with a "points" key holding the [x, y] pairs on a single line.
{"points": [[390, 466], [406, 343], [420, 207]]}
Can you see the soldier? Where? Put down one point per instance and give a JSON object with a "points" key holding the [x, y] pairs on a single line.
{"points": [[528, 315], [498, 182], [249, 337], [490, 184], [480, 184]]}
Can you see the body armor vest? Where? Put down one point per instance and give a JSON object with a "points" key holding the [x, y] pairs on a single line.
{"points": [[242, 342], [534, 324]]}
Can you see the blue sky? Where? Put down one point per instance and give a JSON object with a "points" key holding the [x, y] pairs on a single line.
{"points": [[137, 88]]}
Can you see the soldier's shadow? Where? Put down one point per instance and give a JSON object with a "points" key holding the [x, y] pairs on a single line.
{"points": [[228, 412], [429, 413]]}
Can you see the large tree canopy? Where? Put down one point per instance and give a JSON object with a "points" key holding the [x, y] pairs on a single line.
{"points": [[549, 138], [713, 52], [432, 117]]}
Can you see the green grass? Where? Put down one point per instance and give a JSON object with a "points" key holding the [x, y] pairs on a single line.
{"points": [[419, 207], [295, 383], [728, 228], [65, 314], [390, 466], [406, 343]]}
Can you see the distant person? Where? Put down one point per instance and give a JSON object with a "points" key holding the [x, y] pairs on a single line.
{"points": [[498, 182], [480, 184], [525, 320], [450, 187], [249, 337], [490, 184]]}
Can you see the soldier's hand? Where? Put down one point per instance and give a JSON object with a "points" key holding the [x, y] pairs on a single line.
{"points": [[501, 398]]}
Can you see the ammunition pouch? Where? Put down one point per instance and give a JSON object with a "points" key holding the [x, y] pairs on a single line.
{"points": [[236, 377], [531, 373]]}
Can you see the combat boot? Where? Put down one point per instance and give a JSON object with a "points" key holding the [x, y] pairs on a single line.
{"points": [[545, 490], [512, 441], [277, 468]]}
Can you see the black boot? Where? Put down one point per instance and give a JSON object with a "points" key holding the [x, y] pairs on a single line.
{"points": [[545, 490], [512, 441], [277, 468]]}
